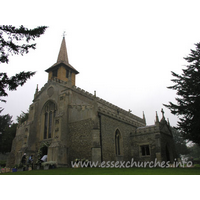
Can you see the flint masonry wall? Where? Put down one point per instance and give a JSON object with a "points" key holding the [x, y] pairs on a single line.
{"points": [[80, 136], [103, 116], [108, 129]]}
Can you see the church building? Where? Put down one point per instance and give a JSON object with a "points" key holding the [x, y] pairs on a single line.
{"points": [[67, 123]]}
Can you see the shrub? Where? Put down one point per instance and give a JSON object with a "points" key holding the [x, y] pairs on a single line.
{"points": [[2, 163]]}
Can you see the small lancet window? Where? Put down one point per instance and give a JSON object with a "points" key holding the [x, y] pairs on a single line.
{"points": [[45, 124], [145, 150], [118, 142], [50, 124]]}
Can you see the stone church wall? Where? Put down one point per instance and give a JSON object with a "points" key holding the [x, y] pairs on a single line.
{"points": [[81, 106], [109, 126], [151, 139], [19, 146], [80, 137]]}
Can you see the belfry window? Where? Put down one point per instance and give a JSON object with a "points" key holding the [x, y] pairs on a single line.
{"points": [[49, 115], [67, 73], [54, 73], [118, 142]]}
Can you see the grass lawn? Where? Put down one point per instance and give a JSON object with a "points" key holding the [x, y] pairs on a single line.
{"points": [[111, 171]]}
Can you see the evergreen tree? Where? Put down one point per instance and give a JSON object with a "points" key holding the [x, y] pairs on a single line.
{"points": [[16, 41], [23, 117], [195, 151], [187, 107], [6, 136], [8, 130], [180, 143]]}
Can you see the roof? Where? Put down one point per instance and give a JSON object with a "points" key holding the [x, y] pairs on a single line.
{"points": [[62, 58]]}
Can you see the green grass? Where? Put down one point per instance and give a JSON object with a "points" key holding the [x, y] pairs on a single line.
{"points": [[112, 171]]}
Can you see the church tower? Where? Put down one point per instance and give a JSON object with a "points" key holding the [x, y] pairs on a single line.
{"points": [[62, 70]]}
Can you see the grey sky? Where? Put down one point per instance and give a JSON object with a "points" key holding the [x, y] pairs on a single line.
{"points": [[125, 50]]}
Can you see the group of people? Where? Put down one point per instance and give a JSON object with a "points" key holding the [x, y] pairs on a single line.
{"points": [[29, 162], [25, 162]]}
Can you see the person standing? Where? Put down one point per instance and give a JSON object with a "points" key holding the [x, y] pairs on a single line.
{"points": [[23, 161], [30, 161], [44, 158]]}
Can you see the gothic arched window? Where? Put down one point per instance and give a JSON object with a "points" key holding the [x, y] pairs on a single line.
{"points": [[49, 114], [118, 142]]}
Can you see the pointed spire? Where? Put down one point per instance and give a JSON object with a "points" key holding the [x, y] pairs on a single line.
{"points": [[144, 118], [168, 122], [36, 91], [37, 88], [62, 56], [157, 119], [62, 66]]}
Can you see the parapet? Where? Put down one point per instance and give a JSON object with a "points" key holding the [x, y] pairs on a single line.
{"points": [[147, 129], [54, 80], [112, 110]]}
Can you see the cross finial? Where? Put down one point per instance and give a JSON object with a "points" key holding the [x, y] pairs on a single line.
{"points": [[64, 33]]}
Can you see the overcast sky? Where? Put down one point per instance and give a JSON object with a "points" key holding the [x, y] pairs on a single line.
{"points": [[125, 50]]}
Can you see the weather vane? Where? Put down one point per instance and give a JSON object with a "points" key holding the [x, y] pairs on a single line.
{"points": [[64, 33]]}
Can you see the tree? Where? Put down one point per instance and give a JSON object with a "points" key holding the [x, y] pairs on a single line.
{"points": [[187, 107], [6, 137], [5, 120], [23, 117], [8, 130], [195, 151], [12, 42], [180, 143]]}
